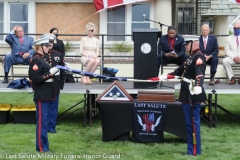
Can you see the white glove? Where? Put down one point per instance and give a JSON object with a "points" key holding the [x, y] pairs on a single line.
{"points": [[66, 64], [54, 70], [164, 74], [58, 73], [197, 90]]}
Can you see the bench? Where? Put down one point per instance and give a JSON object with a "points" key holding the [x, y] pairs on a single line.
{"points": [[219, 74], [22, 71]]}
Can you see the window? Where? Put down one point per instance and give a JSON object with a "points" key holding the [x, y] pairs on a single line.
{"points": [[116, 23], [186, 24], [138, 10], [19, 16], [1, 20]]}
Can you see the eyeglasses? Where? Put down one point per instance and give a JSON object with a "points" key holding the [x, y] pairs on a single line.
{"points": [[236, 28], [46, 44], [91, 30]]}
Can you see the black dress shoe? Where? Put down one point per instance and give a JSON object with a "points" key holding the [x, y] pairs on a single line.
{"points": [[5, 80]]}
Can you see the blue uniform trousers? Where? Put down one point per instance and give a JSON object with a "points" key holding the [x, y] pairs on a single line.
{"points": [[213, 62], [189, 117], [53, 113], [42, 109], [11, 59]]}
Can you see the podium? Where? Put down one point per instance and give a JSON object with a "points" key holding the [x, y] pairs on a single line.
{"points": [[145, 56]]}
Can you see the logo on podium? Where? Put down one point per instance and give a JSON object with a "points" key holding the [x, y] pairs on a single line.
{"points": [[146, 48]]}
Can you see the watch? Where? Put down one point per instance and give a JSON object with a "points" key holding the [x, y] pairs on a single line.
{"points": [[146, 48]]}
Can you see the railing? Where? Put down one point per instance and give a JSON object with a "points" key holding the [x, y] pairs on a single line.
{"points": [[102, 40]]}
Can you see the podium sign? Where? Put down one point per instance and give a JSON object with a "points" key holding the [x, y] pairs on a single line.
{"points": [[145, 56]]}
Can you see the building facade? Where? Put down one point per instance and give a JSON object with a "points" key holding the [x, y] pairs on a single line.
{"points": [[71, 17]]}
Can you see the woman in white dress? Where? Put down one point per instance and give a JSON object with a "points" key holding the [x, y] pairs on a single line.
{"points": [[89, 49]]}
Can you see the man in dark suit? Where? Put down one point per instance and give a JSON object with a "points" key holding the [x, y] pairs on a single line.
{"points": [[22, 50], [209, 47], [171, 49]]}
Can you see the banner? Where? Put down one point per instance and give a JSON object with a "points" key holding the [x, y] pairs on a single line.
{"points": [[149, 121], [235, 1], [104, 4]]}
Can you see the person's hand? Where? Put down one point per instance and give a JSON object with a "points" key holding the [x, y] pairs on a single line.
{"points": [[66, 64], [208, 57], [237, 60], [164, 74], [25, 56], [14, 28], [197, 90], [54, 70], [174, 55], [167, 54]]}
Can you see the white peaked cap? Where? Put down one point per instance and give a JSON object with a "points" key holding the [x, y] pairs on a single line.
{"points": [[45, 38]]}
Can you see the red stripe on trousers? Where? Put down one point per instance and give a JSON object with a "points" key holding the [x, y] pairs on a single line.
{"points": [[39, 125], [194, 131]]}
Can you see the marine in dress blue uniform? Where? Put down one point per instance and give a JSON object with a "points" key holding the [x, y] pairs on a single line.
{"points": [[41, 75], [55, 58], [192, 91]]}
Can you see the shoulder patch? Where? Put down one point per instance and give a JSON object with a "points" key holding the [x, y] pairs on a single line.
{"points": [[199, 61], [35, 67]]}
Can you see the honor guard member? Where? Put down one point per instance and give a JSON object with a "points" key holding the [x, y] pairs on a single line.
{"points": [[41, 74], [192, 94], [54, 58]]}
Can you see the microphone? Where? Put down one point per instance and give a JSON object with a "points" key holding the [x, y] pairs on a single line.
{"points": [[144, 17]]}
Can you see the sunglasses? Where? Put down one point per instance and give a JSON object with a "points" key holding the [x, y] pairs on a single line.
{"points": [[46, 44], [90, 30], [236, 28]]}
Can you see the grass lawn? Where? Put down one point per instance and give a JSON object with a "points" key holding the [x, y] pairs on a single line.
{"points": [[73, 141]]}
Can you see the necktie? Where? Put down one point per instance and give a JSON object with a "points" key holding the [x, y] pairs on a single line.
{"points": [[237, 41], [171, 43], [21, 40], [205, 43]]}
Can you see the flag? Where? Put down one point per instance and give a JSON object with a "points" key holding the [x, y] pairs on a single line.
{"points": [[104, 4], [235, 1]]}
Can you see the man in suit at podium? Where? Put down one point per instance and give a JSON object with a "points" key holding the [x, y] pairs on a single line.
{"points": [[209, 47], [171, 49]]}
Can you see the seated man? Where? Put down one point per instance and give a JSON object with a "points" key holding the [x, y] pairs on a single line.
{"points": [[209, 47], [232, 51], [171, 49], [22, 50]]}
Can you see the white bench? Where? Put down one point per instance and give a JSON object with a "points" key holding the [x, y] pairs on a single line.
{"points": [[19, 70]]}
